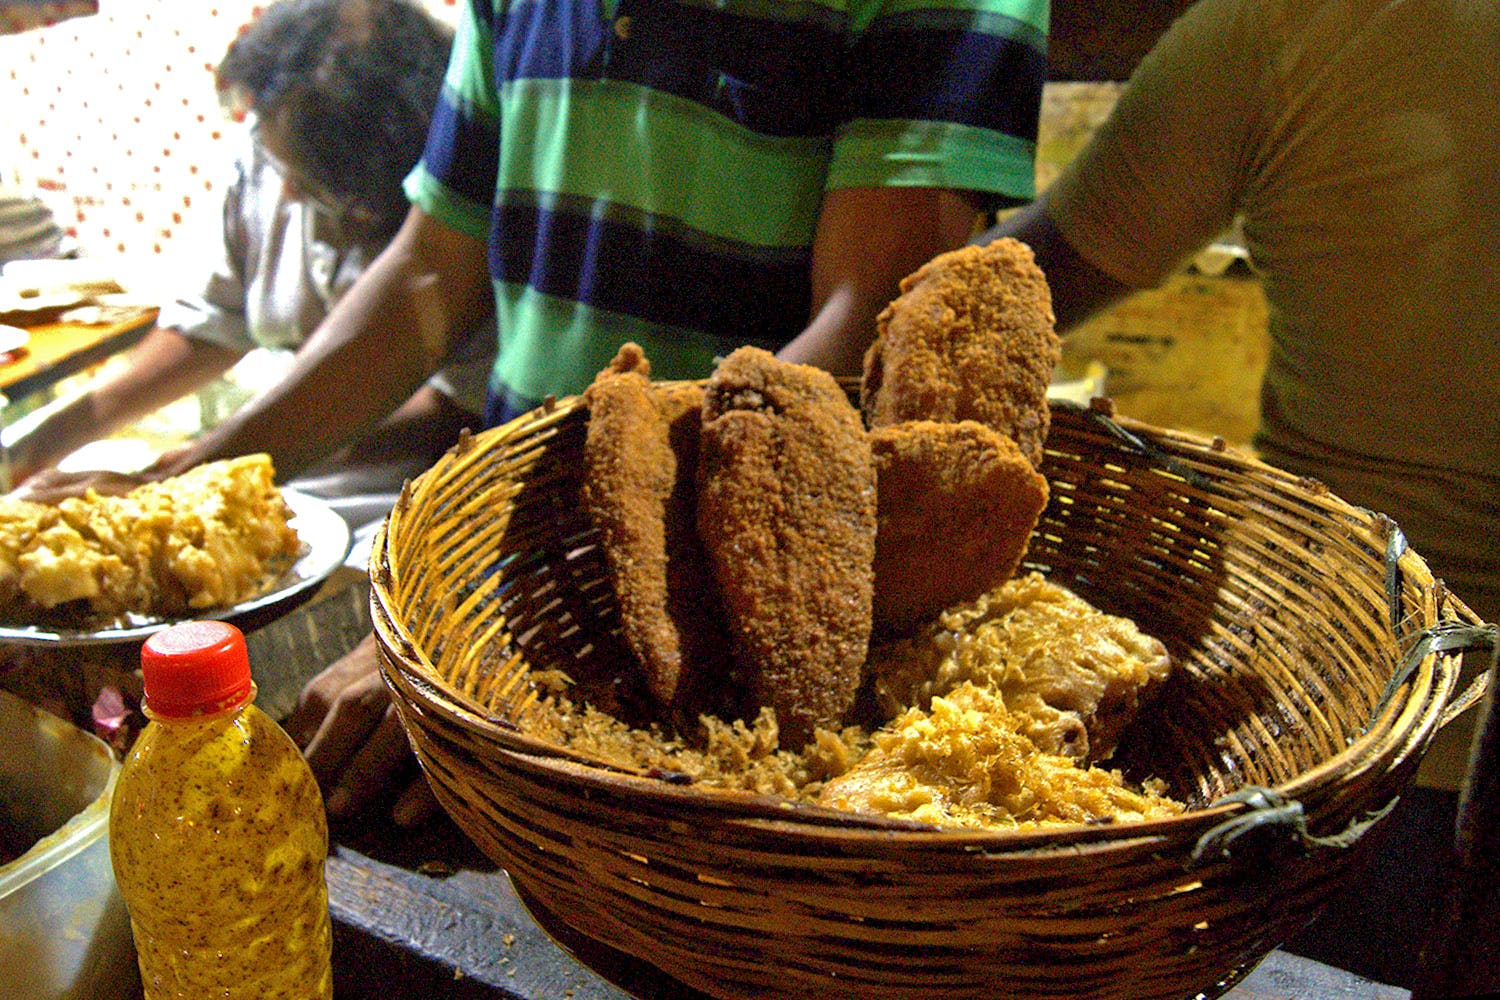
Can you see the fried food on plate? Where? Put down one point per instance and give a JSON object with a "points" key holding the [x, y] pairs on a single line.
{"points": [[640, 459], [1077, 674], [970, 338], [209, 538], [957, 504], [786, 512]]}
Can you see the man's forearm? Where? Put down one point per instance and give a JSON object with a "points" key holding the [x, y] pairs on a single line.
{"points": [[363, 361], [377, 345], [164, 367]]}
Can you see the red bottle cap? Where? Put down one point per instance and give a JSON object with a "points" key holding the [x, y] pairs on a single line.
{"points": [[195, 668]]}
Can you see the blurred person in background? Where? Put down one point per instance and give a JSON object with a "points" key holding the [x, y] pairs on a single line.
{"points": [[339, 94], [1356, 142]]}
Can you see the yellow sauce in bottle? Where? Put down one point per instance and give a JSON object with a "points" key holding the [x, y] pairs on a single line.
{"points": [[218, 838]]}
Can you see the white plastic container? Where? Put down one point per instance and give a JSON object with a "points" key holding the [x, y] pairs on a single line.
{"points": [[64, 932]]}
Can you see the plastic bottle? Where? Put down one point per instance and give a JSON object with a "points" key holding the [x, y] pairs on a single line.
{"points": [[217, 833]]}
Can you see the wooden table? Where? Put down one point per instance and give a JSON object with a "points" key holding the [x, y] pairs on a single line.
{"points": [[424, 913], [57, 350]]}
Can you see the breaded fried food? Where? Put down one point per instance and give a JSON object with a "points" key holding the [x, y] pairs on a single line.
{"points": [[786, 512], [45, 562], [970, 337], [956, 507], [211, 537], [640, 458], [1077, 675]]}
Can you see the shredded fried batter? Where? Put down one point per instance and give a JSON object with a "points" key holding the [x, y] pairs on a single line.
{"points": [[1002, 695], [1077, 675], [968, 763]]}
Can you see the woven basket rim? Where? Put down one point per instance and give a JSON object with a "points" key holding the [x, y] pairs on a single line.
{"points": [[1413, 709]]}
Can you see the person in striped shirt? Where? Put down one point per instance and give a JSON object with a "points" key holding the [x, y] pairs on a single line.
{"points": [[691, 175], [699, 176]]}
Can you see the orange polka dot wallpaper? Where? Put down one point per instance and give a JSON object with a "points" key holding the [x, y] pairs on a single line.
{"points": [[113, 121]]}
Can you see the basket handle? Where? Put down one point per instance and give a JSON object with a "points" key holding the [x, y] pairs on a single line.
{"points": [[1444, 637], [1469, 697], [1269, 808], [1450, 636]]}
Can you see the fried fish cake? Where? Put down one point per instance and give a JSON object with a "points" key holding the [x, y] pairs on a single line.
{"points": [[786, 512], [970, 337], [640, 458], [956, 507]]}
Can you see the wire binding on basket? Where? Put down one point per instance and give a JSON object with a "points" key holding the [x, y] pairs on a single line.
{"points": [[1137, 443], [1394, 547], [1269, 808], [1444, 637]]}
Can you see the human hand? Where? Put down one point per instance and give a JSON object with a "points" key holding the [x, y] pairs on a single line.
{"points": [[172, 462], [52, 486], [353, 740]]}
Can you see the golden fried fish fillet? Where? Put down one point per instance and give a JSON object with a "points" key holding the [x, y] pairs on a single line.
{"points": [[640, 458], [1076, 674], [970, 338], [786, 512], [957, 504]]}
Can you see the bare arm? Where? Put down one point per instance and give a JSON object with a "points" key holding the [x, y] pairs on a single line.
{"points": [[385, 336], [163, 367], [868, 239], [1079, 289], [382, 339]]}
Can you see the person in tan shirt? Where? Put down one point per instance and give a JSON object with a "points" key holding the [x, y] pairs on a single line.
{"points": [[1354, 140]]}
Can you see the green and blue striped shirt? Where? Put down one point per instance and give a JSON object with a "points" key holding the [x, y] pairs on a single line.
{"points": [[652, 170]]}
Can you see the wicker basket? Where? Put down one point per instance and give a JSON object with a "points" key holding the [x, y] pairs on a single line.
{"points": [[1287, 610]]}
